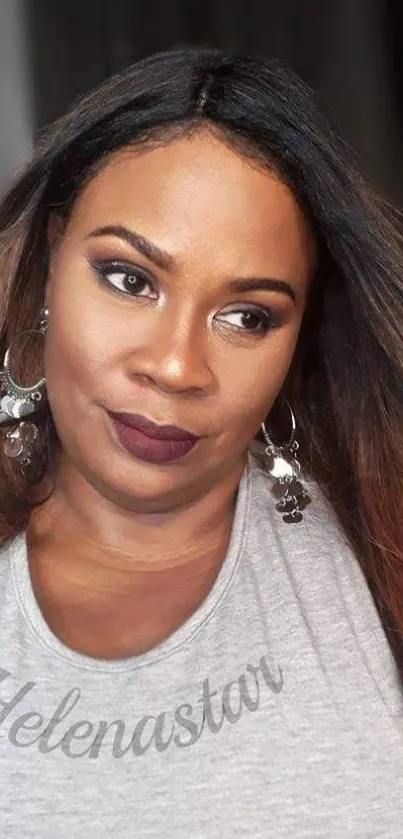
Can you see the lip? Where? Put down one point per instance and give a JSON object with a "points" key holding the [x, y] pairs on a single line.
{"points": [[151, 429], [152, 449]]}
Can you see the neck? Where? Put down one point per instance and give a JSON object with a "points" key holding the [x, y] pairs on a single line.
{"points": [[76, 515], [144, 573]]}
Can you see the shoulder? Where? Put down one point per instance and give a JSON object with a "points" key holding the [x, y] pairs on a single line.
{"points": [[10, 553], [319, 519], [7, 549], [315, 552]]}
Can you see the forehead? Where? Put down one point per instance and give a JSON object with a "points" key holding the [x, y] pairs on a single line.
{"points": [[197, 194]]}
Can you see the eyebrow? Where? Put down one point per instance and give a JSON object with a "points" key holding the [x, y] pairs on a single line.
{"points": [[166, 262], [161, 258], [263, 284]]}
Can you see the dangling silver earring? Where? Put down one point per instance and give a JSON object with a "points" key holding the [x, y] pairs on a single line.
{"points": [[18, 402], [284, 467]]}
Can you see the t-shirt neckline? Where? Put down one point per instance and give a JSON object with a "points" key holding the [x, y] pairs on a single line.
{"points": [[29, 606]]}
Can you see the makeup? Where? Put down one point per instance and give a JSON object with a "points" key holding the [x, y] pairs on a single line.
{"points": [[150, 442]]}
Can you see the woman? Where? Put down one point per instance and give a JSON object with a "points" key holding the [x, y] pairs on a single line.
{"points": [[198, 640]]}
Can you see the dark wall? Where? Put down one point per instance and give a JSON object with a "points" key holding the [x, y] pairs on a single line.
{"points": [[349, 50]]}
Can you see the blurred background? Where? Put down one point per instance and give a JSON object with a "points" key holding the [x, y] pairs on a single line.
{"points": [[350, 51]]}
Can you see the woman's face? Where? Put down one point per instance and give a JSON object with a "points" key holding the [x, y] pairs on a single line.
{"points": [[175, 292]]}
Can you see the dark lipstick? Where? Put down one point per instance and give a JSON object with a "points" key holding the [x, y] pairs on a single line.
{"points": [[149, 441]]}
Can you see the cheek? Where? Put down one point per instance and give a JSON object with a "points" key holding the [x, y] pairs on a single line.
{"points": [[75, 349], [251, 391], [71, 357], [76, 372], [80, 327]]}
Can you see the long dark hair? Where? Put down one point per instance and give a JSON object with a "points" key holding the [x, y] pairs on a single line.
{"points": [[346, 380]]}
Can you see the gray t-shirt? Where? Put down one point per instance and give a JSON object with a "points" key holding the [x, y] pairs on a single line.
{"points": [[274, 711]]}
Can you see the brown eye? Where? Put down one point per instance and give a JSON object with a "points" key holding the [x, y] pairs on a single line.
{"points": [[128, 280], [255, 321], [130, 283]]}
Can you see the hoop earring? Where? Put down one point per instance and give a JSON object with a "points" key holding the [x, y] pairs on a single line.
{"points": [[19, 402], [284, 467]]}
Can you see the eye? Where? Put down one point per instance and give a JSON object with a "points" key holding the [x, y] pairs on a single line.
{"points": [[255, 321], [127, 279]]}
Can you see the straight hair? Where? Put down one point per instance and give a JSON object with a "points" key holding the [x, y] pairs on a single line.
{"points": [[345, 382]]}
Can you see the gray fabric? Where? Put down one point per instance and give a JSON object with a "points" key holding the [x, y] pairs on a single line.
{"points": [[273, 712]]}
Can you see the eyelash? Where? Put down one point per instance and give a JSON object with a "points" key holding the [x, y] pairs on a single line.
{"points": [[108, 269]]}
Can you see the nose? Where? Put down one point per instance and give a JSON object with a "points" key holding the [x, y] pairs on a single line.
{"points": [[174, 356]]}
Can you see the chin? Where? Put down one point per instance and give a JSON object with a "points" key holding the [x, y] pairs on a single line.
{"points": [[141, 488]]}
